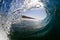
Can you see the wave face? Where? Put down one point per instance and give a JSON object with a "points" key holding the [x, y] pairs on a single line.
{"points": [[13, 24]]}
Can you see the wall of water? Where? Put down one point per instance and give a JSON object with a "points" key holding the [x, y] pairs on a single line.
{"points": [[11, 12]]}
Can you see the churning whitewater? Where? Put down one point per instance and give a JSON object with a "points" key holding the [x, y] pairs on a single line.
{"points": [[15, 13]]}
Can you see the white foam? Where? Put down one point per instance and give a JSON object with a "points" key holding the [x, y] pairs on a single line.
{"points": [[13, 17]]}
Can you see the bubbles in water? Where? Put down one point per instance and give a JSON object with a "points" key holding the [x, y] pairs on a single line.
{"points": [[15, 12]]}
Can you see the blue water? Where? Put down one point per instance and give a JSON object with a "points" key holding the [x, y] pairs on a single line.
{"points": [[16, 36]]}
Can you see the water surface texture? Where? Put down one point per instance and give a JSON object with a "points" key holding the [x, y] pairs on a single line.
{"points": [[26, 18]]}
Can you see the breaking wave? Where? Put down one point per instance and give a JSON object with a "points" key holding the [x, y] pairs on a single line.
{"points": [[14, 14]]}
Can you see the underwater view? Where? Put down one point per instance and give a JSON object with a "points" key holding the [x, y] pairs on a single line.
{"points": [[29, 19]]}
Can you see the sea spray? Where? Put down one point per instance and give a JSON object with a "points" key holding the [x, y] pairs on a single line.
{"points": [[14, 16]]}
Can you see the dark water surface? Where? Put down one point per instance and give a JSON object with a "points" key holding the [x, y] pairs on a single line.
{"points": [[53, 27], [53, 34]]}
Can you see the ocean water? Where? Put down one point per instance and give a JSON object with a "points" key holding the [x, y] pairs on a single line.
{"points": [[14, 28]]}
